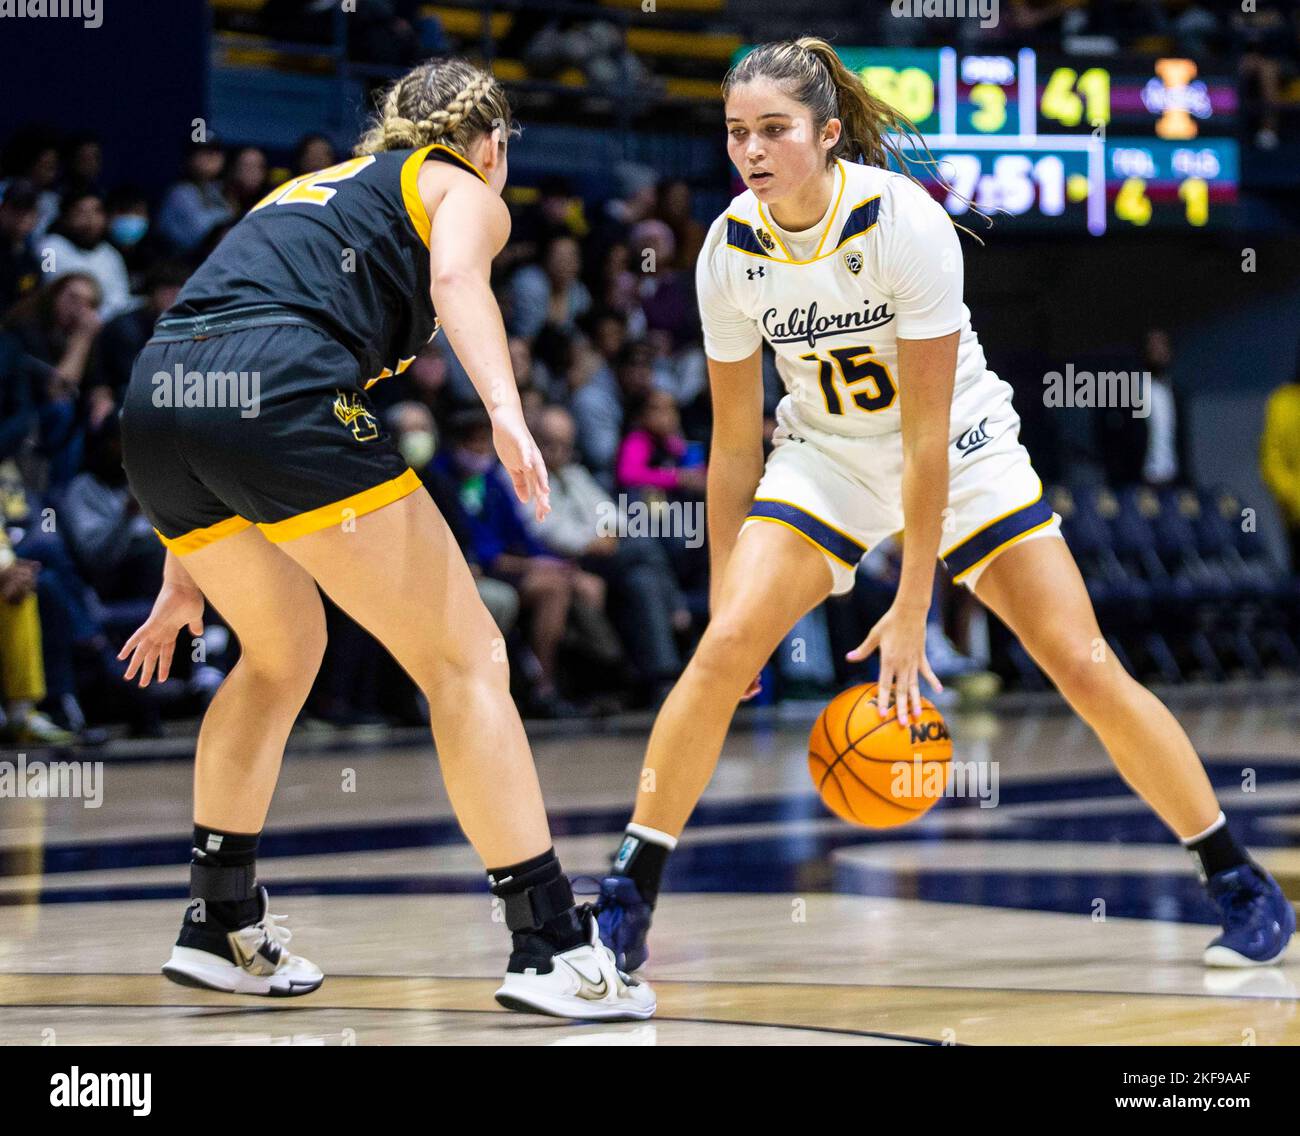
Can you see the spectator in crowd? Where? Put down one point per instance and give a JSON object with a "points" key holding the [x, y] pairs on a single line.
{"points": [[654, 455], [33, 157], [1151, 448], [314, 152], [667, 294], [416, 435], [646, 606], [1267, 38], [83, 165], [20, 270], [246, 179], [532, 376], [194, 206], [78, 242], [22, 666], [121, 339], [111, 539], [555, 213], [469, 485], [550, 294], [674, 207], [617, 288], [129, 230], [635, 202], [1279, 459], [597, 404]]}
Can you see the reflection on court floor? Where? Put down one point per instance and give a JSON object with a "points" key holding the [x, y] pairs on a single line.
{"points": [[1062, 914]]}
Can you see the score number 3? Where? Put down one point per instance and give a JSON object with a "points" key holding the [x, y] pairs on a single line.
{"points": [[856, 366]]}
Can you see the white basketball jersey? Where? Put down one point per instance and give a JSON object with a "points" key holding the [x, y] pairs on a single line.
{"points": [[885, 263]]}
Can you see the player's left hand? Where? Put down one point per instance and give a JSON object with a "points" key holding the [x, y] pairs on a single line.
{"points": [[521, 458], [900, 635], [154, 641]]}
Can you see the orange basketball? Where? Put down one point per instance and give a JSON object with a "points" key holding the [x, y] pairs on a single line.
{"points": [[873, 771]]}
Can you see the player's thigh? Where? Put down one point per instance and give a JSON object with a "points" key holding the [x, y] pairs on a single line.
{"points": [[774, 576], [269, 601], [1036, 589], [400, 574]]}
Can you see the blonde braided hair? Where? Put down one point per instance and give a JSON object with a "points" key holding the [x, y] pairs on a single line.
{"points": [[449, 101]]}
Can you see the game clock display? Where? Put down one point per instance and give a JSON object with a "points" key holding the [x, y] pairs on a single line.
{"points": [[1093, 144]]}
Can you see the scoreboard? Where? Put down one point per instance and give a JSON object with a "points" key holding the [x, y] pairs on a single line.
{"points": [[1096, 144]]}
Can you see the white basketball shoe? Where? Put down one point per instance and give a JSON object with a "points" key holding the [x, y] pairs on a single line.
{"points": [[251, 960]]}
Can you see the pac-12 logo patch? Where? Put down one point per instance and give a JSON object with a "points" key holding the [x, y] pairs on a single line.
{"points": [[853, 261], [765, 239], [352, 412]]}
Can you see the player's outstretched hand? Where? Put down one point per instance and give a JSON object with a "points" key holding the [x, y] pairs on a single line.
{"points": [[154, 641], [900, 635], [521, 458]]}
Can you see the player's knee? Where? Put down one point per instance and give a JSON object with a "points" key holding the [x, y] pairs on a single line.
{"points": [[1086, 677], [291, 662], [727, 652]]}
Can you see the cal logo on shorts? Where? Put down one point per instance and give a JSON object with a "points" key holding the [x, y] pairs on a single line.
{"points": [[349, 409]]}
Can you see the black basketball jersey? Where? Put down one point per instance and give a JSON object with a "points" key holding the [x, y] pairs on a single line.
{"points": [[347, 248]]}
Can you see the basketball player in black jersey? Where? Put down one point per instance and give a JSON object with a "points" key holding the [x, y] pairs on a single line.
{"points": [[252, 447]]}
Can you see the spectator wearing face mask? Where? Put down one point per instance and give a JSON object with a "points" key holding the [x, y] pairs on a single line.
{"points": [[79, 243], [131, 232], [416, 435]]}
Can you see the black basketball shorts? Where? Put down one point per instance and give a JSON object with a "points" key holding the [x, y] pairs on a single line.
{"points": [[264, 425]]}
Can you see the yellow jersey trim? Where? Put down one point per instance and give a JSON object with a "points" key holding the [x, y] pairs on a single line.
{"points": [[830, 223], [414, 203]]}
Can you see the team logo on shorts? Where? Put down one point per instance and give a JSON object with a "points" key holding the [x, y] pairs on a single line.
{"points": [[976, 438], [853, 260], [765, 239], [352, 412]]}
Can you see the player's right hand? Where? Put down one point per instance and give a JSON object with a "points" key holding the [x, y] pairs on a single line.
{"points": [[521, 458]]}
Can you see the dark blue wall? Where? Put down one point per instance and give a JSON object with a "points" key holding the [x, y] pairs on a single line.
{"points": [[140, 79]]}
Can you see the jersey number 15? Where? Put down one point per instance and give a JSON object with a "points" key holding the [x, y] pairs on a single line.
{"points": [[856, 367]]}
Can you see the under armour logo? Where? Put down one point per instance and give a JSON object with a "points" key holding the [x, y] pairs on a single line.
{"points": [[754, 273]]}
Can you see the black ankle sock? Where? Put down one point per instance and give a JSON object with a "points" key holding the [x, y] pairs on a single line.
{"points": [[1218, 852], [550, 912], [643, 862], [227, 877]]}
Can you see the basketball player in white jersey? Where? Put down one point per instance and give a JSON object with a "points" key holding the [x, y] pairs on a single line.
{"points": [[892, 423]]}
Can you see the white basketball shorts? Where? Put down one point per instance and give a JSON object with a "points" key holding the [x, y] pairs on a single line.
{"points": [[845, 494]]}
